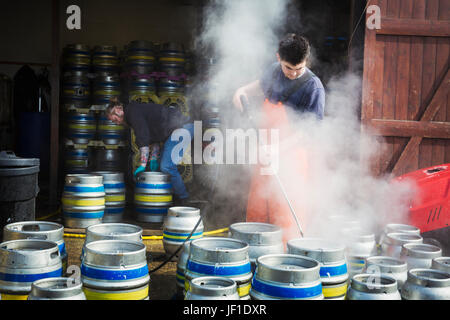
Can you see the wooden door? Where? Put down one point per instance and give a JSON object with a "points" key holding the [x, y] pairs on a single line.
{"points": [[406, 81]]}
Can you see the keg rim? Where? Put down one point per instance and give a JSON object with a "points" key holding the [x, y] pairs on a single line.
{"points": [[49, 246], [240, 231], [401, 228], [441, 263], [90, 247], [387, 263], [97, 178], [267, 268], [335, 252], [39, 287], [204, 250], [137, 230], [228, 286], [57, 231], [390, 285], [397, 238], [420, 250], [108, 174], [182, 211], [422, 277]]}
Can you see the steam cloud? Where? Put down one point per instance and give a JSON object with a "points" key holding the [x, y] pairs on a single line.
{"points": [[243, 37]]}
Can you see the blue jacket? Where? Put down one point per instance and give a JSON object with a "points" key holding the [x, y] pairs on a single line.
{"points": [[309, 98]]}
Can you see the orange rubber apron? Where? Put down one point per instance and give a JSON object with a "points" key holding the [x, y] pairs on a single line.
{"points": [[266, 202]]}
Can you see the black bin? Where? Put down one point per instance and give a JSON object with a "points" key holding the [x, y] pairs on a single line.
{"points": [[18, 188]]}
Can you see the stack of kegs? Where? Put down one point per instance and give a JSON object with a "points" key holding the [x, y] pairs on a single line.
{"points": [[79, 123], [105, 60], [137, 69], [105, 87]]}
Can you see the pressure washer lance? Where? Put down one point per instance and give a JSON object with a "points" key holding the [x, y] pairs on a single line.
{"points": [[250, 119]]}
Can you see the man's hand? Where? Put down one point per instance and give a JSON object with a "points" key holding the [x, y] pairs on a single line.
{"points": [[154, 165], [237, 99], [139, 169]]}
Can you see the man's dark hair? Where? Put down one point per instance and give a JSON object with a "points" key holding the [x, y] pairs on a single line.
{"points": [[114, 101], [294, 49]]}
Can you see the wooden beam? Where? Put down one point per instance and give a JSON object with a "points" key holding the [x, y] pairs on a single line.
{"points": [[414, 27], [439, 98], [404, 128], [54, 115]]}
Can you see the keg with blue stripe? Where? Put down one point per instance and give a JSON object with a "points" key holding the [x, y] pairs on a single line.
{"points": [[76, 58], [114, 185], [212, 288], [178, 225], [83, 200], [76, 90], [142, 89], [152, 196], [41, 230], [172, 59], [77, 160], [104, 88], [262, 238], [286, 277], [57, 288], [140, 57], [222, 257], [81, 127], [389, 266], [373, 287], [333, 266], [105, 60], [112, 231], [24, 261], [360, 244], [115, 270], [109, 132]]}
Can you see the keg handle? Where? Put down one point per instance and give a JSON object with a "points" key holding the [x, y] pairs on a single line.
{"points": [[55, 255], [73, 180]]}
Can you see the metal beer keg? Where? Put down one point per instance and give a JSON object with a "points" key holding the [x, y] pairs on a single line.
{"points": [[178, 225], [41, 230], [393, 242], [212, 288], [59, 288], [389, 266], [262, 238], [426, 284], [114, 185], [152, 196], [373, 287], [223, 257], [441, 263], [419, 255], [115, 270], [24, 261], [286, 277], [333, 266], [83, 200]]}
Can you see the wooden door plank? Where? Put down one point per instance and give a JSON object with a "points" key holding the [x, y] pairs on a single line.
{"points": [[439, 99], [410, 27], [407, 128]]}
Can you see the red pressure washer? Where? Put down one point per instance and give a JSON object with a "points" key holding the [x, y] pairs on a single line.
{"points": [[429, 210]]}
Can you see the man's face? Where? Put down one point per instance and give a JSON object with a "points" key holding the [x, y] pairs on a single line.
{"points": [[290, 71], [117, 115]]}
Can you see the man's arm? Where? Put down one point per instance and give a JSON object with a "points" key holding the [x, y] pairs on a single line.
{"points": [[253, 89]]}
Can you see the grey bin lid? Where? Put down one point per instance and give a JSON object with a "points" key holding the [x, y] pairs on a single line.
{"points": [[11, 165]]}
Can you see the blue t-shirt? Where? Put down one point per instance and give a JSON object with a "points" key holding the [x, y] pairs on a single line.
{"points": [[309, 98]]}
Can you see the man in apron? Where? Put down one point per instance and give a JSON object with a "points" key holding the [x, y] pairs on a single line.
{"points": [[287, 84]]}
